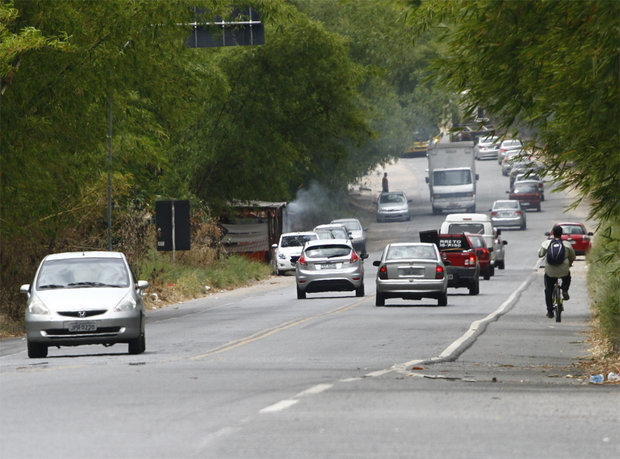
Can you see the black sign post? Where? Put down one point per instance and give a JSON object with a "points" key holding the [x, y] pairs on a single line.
{"points": [[173, 227]]}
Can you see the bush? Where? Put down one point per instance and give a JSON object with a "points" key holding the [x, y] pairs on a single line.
{"points": [[604, 282]]}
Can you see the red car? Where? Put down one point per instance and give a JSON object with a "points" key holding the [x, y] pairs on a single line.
{"points": [[576, 234], [482, 252], [527, 193]]}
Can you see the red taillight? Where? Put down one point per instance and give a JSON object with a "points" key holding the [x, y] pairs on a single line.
{"points": [[383, 272], [494, 214], [517, 212], [471, 260], [302, 260], [354, 257], [439, 272]]}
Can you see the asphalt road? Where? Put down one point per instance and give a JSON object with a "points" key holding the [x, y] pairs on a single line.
{"points": [[257, 373]]}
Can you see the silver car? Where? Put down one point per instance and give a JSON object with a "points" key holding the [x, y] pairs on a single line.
{"points": [[356, 231], [487, 148], [329, 265], [506, 146], [508, 213], [332, 231], [411, 270], [393, 205], [84, 298]]}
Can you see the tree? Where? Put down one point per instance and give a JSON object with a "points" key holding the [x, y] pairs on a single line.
{"points": [[550, 66]]}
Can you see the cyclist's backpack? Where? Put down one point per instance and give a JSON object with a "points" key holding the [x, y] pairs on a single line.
{"points": [[556, 252]]}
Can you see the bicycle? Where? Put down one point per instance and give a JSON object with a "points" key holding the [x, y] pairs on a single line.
{"points": [[557, 299]]}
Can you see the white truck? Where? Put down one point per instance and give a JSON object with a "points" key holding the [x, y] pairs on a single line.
{"points": [[452, 177]]}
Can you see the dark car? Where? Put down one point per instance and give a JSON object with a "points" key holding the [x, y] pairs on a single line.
{"points": [[484, 256], [527, 193], [576, 234]]}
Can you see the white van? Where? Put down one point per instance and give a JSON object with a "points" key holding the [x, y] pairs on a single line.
{"points": [[477, 224]]}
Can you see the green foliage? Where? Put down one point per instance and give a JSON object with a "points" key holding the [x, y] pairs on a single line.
{"points": [[394, 90], [551, 66], [287, 115], [604, 281]]}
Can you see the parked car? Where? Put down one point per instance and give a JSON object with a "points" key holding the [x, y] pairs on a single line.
{"points": [[81, 298], [487, 148], [393, 205], [329, 265], [506, 146], [288, 249], [527, 193], [332, 231], [576, 234], [412, 271], [356, 231], [524, 176], [508, 213], [484, 256]]}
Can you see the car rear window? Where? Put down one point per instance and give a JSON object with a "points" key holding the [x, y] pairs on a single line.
{"points": [[526, 188], [328, 251], [506, 205], [572, 229], [474, 228], [83, 272], [401, 252], [477, 242], [352, 225], [391, 198]]}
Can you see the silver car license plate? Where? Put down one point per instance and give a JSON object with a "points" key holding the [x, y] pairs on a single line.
{"points": [[82, 326], [328, 266], [411, 271]]}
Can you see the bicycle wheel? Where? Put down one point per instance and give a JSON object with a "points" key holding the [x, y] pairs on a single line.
{"points": [[557, 303]]}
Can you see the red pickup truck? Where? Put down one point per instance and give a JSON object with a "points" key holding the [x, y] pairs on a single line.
{"points": [[459, 256]]}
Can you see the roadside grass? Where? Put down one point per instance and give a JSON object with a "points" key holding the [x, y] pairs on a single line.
{"points": [[603, 287], [192, 277], [604, 283]]}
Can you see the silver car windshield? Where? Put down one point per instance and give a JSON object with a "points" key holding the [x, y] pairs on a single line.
{"points": [[328, 251], [83, 272], [391, 198], [401, 252]]}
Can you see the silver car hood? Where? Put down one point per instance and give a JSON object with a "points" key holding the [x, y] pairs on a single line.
{"points": [[82, 299]]}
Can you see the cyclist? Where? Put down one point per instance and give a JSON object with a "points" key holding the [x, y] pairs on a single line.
{"points": [[557, 269]]}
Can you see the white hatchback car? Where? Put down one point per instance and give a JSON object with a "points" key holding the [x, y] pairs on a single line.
{"points": [[84, 298], [288, 249]]}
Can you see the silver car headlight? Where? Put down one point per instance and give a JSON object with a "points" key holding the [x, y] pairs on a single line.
{"points": [[126, 304], [36, 306]]}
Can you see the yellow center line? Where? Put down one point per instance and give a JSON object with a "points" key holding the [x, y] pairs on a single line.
{"points": [[272, 331]]}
